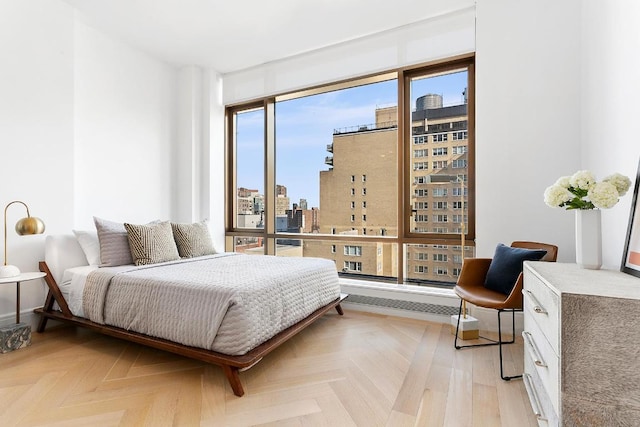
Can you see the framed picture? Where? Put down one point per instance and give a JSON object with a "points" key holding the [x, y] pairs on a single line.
{"points": [[631, 256]]}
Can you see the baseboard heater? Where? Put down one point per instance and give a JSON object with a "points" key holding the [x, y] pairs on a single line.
{"points": [[421, 307]]}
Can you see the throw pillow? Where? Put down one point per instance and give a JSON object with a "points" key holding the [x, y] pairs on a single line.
{"points": [[151, 243], [88, 241], [506, 266], [193, 239], [114, 243]]}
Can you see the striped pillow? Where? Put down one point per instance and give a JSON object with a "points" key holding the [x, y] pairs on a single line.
{"points": [[193, 239], [114, 245], [151, 243]]}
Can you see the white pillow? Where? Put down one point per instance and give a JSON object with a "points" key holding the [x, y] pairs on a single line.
{"points": [[114, 244], [90, 245]]}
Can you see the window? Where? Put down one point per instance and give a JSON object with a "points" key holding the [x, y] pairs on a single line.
{"points": [[421, 269], [440, 257], [352, 266], [442, 137], [456, 271], [353, 250], [457, 192], [261, 193], [441, 271], [459, 149], [457, 259], [459, 163], [440, 218], [440, 164]]}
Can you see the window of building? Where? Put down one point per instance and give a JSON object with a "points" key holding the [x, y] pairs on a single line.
{"points": [[456, 272], [458, 192], [459, 163], [260, 194], [422, 256], [353, 250], [421, 269], [353, 266], [441, 271], [440, 257]]}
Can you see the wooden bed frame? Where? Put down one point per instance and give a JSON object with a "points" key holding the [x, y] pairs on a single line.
{"points": [[231, 365]]}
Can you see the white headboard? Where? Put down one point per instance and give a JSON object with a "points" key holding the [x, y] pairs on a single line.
{"points": [[62, 251]]}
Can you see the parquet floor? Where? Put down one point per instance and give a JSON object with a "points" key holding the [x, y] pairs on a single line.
{"points": [[356, 370]]}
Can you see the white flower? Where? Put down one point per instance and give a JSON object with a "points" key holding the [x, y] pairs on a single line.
{"points": [[603, 195], [621, 182], [564, 181], [556, 195], [582, 179]]}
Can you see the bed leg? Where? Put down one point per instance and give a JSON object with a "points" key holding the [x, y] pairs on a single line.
{"points": [[231, 372], [339, 310], [42, 323]]}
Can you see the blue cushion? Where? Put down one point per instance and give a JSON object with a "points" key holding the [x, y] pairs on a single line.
{"points": [[506, 266]]}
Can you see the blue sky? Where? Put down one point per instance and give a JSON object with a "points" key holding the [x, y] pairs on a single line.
{"points": [[304, 127]]}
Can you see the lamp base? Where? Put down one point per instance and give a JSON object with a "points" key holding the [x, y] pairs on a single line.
{"points": [[7, 271]]}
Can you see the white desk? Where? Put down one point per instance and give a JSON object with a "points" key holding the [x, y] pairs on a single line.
{"points": [[23, 277]]}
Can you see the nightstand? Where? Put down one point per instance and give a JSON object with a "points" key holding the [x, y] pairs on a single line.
{"points": [[13, 337]]}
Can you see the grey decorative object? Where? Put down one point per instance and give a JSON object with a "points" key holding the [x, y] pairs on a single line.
{"points": [[15, 336]]}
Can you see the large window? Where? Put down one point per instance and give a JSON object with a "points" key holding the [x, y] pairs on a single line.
{"points": [[333, 172]]}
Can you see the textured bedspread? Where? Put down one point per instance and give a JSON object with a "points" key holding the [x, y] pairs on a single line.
{"points": [[229, 303]]}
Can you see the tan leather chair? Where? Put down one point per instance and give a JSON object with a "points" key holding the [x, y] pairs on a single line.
{"points": [[470, 287]]}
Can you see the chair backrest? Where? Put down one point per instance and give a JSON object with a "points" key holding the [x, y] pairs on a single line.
{"points": [[552, 250]]}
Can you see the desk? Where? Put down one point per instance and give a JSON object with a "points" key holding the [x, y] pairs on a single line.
{"points": [[16, 336]]}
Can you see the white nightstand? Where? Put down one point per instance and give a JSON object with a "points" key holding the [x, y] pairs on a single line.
{"points": [[13, 337]]}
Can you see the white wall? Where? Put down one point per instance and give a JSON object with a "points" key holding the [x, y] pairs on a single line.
{"points": [[125, 131], [527, 119], [36, 131], [610, 90]]}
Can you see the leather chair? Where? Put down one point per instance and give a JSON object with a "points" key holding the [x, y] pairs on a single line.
{"points": [[470, 287]]}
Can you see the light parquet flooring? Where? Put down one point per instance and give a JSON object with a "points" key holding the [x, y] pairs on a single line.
{"points": [[359, 369]]}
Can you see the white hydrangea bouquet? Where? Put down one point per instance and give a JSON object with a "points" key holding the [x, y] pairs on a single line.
{"points": [[582, 191]]}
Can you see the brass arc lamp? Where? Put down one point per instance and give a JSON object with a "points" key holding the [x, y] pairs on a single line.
{"points": [[25, 226]]}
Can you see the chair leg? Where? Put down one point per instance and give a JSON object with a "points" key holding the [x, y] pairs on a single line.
{"points": [[500, 342]]}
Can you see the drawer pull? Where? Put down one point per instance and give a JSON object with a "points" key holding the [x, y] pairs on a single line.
{"points": [[533, 350], [533, 397], [537, 307]]}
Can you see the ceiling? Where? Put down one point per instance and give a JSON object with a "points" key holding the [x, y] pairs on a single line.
{"points": [[233, 35]]}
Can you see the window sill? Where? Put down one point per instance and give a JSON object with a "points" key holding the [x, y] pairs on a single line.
{"points": [[425, 291]]}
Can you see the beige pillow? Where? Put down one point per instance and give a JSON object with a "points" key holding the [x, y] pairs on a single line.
{"points": [[151, 243], [193, 239]]}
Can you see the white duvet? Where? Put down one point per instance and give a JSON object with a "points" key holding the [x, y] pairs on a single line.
{"points": [[228, 303]]}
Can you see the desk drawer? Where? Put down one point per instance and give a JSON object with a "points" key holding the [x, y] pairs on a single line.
{"points": [[541, 304]]}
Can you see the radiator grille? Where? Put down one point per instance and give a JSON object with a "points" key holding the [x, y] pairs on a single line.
{"points": [[421, 307]]}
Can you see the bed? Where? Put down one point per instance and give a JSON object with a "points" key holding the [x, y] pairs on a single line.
{"points": [[227, 309]]}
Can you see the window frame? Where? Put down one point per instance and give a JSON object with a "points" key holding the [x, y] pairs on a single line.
{"points": [[405, 140]]}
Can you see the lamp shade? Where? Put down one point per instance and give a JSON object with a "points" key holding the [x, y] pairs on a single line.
{"points": [[29, 225]]}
